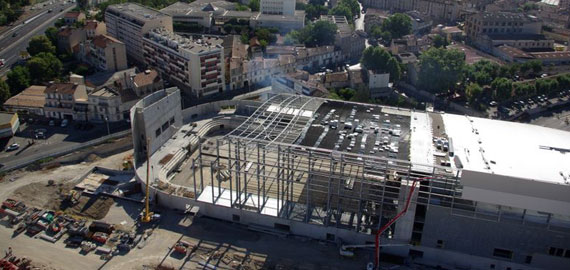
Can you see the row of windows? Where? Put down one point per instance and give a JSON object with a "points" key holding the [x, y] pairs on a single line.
{"points": [[164, 127], [502, 30], [559, 252]]}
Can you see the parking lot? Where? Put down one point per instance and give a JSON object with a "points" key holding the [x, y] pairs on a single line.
{"points": [[359, 129], [531, 105], [38, 135]]}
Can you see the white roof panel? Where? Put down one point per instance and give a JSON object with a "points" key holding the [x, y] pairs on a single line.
{"points": [[510, 148]]}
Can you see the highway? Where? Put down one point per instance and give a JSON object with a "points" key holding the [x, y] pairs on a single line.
{"points": [[15, 39]]}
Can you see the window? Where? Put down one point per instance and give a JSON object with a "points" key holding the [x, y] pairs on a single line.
{"points": [[528, 259], [502, 253], [157, 132], [165, 126], [439, 244], [172, 120]]}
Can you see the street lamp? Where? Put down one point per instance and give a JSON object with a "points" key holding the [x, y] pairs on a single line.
{"points": [[107, 122]]}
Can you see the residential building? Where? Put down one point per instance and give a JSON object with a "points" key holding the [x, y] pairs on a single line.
{"points": [[144, 83], [410, 44], [420, 22], [379, 84], [9, 124], [30, 101], [337, 80], [104, 53], [72, 17], [350, 42], [293, 84], [94, 28], [317, 57], [69, 37], [196, 65], [373, 17], [66, 101], [260, 70], [280, 14], [111, 103], [129, 22]]}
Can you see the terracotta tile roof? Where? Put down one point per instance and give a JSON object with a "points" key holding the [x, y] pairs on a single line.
{"points": [[91, 25], [72, 14], [61, 88], [102, 41], [32, 96], [146, 78], [65, 32], [337, 77]]}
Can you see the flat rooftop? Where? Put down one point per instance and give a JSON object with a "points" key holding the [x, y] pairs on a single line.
{"points": [[510, 148], [177, 42], [138, 11]]}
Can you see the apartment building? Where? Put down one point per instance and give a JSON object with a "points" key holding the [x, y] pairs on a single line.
{"points": [[351, 43], [66, 101], [104, 52], [68, 37], [196, 65], [73, 16], [129, 22], [94, 28], [280, 14]]}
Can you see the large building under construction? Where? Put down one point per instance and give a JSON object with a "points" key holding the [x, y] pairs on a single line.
{"points": [[464, 192]]}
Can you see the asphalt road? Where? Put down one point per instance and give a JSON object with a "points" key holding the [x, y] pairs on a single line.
{"points": [[11, 45]]}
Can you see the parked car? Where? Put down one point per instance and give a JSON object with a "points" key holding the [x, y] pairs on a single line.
{"points": [[12, 147], [64, 123], [51, 123]]}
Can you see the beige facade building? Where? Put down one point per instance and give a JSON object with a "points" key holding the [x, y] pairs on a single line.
{"points": [[94, 28], [31, 101], [104, 53], [196, 65], [488, 30], [439, 10], [66, 101], [69, 37], [129, 22], [351, 43]]}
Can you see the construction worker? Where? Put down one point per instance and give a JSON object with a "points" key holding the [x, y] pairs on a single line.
{"points": [[9, 251]]}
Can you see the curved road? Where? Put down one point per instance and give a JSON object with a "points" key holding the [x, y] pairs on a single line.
{"points": [[15, 39]]}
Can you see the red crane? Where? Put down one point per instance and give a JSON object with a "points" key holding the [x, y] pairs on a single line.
{"points": [[381, 230]]}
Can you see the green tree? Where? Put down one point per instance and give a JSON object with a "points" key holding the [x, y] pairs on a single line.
{"points": [[380, 60], [398, 25], [346, 93], [440, 41], [254, 5], [342, 10], [393, 67], [319, 33], [44, 67], [4, 91], [315, 11], [547, 86], [441, 69], [40, 44], [51, 34], [502, 89], [352, 5], [263, 34], [524, 89], [18, 79], [564, 81], [472, 92]]}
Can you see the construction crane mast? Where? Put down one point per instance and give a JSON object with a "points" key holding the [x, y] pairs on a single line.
{"points": [[147, 216]]}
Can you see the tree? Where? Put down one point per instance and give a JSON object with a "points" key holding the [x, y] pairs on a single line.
{"points": [[254, 5], [524, 89], [352, 5], [319, 33], [441, 69], [40, 44], [264, 35], [380, 60], [546, 86], [342, 10], [502, 89], [18, 79], [440, 41], [4, 91], [398, 25], [564, 81], [44, 67], [472, 92], [51, 34], [315, 11], [535, 65]]}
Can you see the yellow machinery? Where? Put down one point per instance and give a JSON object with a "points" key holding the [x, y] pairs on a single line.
{"points": [[147, 216]]}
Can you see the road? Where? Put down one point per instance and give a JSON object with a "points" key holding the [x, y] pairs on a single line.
{"points": [[15, 39], [359, 22]]}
